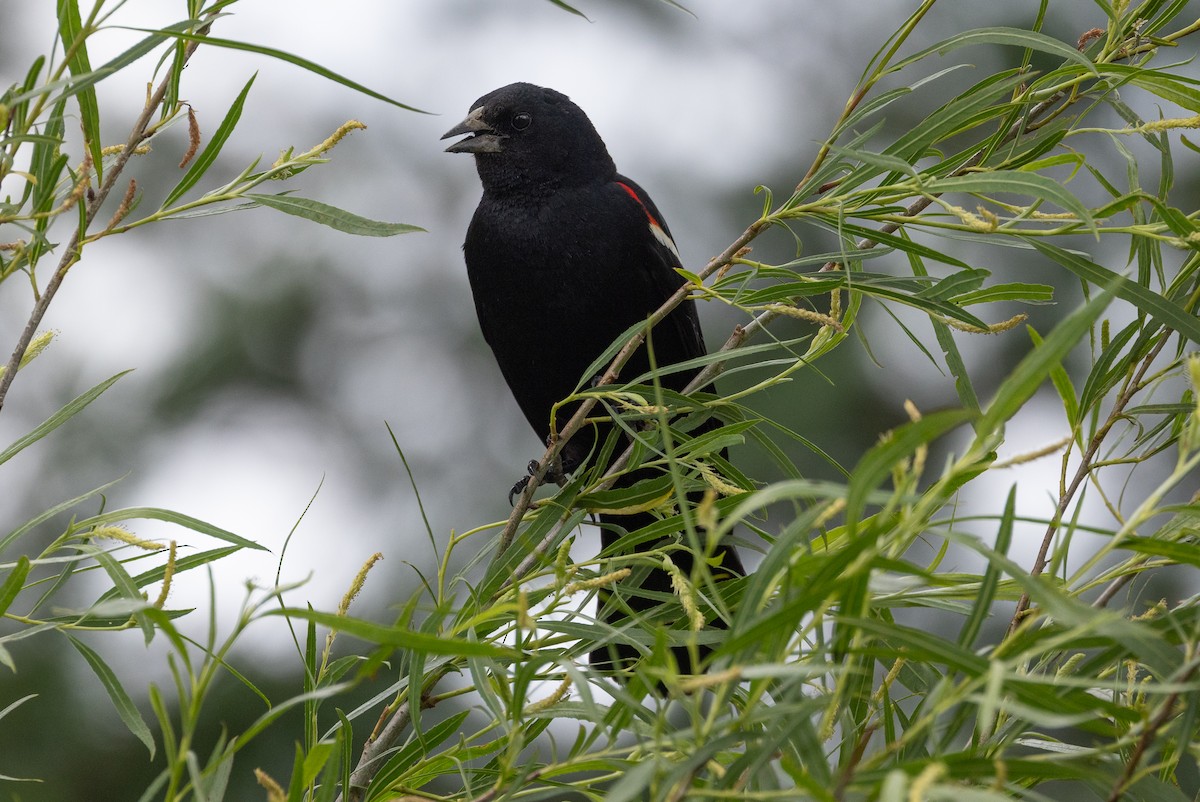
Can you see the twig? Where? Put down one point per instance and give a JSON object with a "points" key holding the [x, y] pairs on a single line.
{"points": [[1143, 744], [1085, 468], [72, 252], [371, 760]]}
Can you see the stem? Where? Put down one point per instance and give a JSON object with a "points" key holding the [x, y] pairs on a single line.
{"points": [[370, 762], [1085, 468]]}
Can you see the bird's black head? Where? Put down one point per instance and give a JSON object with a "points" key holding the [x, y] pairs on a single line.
{"points": [[529, 139]]}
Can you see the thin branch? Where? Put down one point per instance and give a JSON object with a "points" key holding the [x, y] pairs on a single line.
{"points": [[1143, 745], [1085, 468], [371, 760]]}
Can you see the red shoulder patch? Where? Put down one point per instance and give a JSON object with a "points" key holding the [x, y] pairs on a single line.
{"points": [[656, 228], [633, 194]]}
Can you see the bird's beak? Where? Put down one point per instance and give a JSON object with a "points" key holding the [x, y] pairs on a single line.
{"points": [[484, 138]]}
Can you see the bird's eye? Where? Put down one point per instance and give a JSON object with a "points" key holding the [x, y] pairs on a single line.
{"points": [[521, 121]]}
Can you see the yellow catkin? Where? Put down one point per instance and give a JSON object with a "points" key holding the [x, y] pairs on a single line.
{"points": [[337, 136], [807, 315], [831, 509], [994, 328], [38, 344], [125, 536], [559, 694], [985, 224], [710, 680], [686, 593], [274, 791], [1169, 124], [925, 780], [168, 575], [357, 585], [598, 582]]}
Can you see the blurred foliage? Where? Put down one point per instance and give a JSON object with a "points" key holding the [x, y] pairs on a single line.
{"points": [[857, 661]]}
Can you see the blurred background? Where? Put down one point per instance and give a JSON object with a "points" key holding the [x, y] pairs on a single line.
{"points": [[269, 353]]}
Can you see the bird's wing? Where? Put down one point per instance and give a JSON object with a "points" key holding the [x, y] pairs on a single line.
{"points": [[683, 323]]}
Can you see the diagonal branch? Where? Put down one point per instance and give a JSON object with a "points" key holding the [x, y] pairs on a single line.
{"points": [[73, 250]]}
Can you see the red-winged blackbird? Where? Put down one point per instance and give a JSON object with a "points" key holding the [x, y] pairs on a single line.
{"points": [[563, 255]]}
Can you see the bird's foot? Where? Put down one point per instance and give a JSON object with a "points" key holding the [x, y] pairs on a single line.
{"points": [[554, 473]]}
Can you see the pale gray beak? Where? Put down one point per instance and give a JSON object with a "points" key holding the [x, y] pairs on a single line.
{"points": [[484, 138]]}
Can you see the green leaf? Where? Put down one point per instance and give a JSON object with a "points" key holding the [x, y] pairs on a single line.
{"points": [[171, 517], [1014, 37], [1013, 291], [74, 42], [1150, 302], [332, 216], [400, 636], [281, 55], [1180, 552], [14, 583], [126, 709], [1062, 385], [213, 148], [1173, 88], [981, 604], [1025, 379], [58, 418]]}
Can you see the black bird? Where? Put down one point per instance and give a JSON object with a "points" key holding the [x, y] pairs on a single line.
{"points": [[563, 255]]}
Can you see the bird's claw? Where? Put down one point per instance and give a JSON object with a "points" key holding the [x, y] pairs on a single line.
{"points": [[519, 488], [554, 473]]}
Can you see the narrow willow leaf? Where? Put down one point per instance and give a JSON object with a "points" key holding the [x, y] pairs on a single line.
{"points": [[956, 284], [565, 7], [954, 361], [1062, 385], [1150, 302], [59, 418], [126, 709], [182, 564], [1017, 182], [1013, 291], [213, 148], [1179, 552], [1109, 368], [988, 99], [14, 583], [126, 589], [399, 636], [981, 604], [171, 517], [332, 216], [1014, 37], [74, 42], [281, 55], [1173, 88], [1025, 379]]}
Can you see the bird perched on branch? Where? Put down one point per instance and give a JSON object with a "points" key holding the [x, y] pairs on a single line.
{"points": [[563, 255]]}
